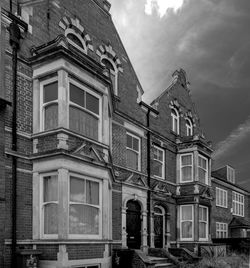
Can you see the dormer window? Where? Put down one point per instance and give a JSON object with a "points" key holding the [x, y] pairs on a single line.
{"points": [[175, 121], [189, 127], [113, 73]]}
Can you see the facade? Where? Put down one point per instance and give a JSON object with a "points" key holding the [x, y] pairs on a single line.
{"points": [[94, 168]]}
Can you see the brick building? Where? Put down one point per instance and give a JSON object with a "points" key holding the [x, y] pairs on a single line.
{"points": [[87, 167]]}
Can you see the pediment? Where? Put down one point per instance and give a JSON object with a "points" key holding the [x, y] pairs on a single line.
{"points": [[136, 179], [91, 152]]}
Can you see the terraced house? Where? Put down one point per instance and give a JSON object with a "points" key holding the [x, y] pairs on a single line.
{"points": [[88, 168]]}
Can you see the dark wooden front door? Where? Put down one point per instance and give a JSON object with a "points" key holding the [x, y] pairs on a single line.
{"points": [[158, 228], [133, 224]]}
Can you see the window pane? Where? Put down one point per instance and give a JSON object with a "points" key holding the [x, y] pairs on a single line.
{"points": [[202, 230], [202, 163], [51, 116], [129, 141], [83, 122], [50, 92], [157, 168], [77, 95], [132, 159], [186, 173], [136, 144], [202, 175], [186, 229], [186, 213], [92, 192], [83, 219], [77, 190], [50, 219], [186, 160], [92, 103], [50, 188]]}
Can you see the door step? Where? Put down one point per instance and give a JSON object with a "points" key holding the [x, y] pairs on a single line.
{"points": [[160, 262]]}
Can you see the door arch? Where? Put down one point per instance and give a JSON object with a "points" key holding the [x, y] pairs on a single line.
{"points": [[133, 224], [159, 227]]}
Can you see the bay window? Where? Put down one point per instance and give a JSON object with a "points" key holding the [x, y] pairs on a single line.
{"points": [[49, 97], [186, 168], [80, 106], [159, 162], [133, 152], [186, 222], [203, 223], [203, 169], [50, 205]]}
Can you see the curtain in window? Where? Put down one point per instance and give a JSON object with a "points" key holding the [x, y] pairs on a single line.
{"points": [[51, 116], [187, 224], [132, 159], [186, 163], [50, 199], [83, 219], [83, 122]]}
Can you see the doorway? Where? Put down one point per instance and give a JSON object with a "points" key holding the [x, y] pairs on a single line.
{"points": [[133, 224]]}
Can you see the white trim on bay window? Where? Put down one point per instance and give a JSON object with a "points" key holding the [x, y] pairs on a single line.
{"points": [[83, 198], [187, 223], [158, 162], [203, 169], [203, 223], [47, 101], [186, 168], [49, 200]]}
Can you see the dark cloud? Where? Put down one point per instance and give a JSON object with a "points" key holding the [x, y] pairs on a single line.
{"points": [[210, 39]]}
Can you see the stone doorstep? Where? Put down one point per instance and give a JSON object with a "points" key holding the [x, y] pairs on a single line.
{"points": [[160, 262], [164, 265]]}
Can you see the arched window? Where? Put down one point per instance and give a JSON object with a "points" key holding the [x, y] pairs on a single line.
{"points": [[175, 121], [76, 40], [113, 73], [189, 127]]}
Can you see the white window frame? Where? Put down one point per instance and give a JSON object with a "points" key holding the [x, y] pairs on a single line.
{"points": [[189, 127], [42, 105], [206, 238], [192, 167], [221, 197], [86, 236], [162, 162], [230, 174], [138, 153], [113, 72], [192, 221], [91, 92], [206, 178], [221, 230], [175, 121], [42, 203], [238, 204]]}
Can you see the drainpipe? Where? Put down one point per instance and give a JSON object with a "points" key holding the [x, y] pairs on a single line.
{"points": [[148, 180], [15, 36], [149, 109]]}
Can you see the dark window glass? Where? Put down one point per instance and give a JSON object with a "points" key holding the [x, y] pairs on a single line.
{"points": [[75, 39], [92, 103], [77, 95], [50, 92], [129, 141]]}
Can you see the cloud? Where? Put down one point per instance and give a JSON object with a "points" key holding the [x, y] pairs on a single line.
{"points": [[235, 137], [161, 6]]}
